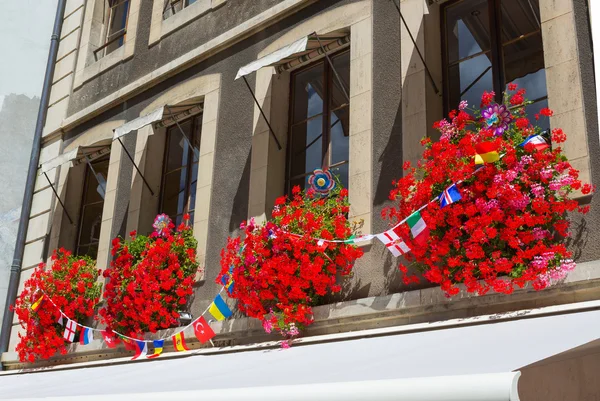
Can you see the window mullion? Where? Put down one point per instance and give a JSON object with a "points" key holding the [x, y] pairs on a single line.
{"points": [[495, 20], [326, 147]]}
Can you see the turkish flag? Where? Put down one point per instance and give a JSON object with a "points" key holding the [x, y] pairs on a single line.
{"points": [[110, 340], [202, 330]]}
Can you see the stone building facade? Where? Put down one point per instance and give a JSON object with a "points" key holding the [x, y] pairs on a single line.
{"points": [[148, 54]]}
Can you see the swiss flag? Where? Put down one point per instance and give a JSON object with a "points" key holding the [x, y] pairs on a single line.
{"points": [[202, 330], [109, 339]]}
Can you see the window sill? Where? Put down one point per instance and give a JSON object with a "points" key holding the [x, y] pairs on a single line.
{"points": [[110, 60], [160, 28]]}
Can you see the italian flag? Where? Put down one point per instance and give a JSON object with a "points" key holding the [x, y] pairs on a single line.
{"points": [[418, 228]]}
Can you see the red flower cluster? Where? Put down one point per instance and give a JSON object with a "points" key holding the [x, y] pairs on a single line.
{"points": [[509, 226], [279, 270], [71, 283], [150, 280]]}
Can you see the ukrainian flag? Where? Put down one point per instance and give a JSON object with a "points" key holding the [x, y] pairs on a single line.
{"points": [[487, 152], [158, 348], [219, 309]]}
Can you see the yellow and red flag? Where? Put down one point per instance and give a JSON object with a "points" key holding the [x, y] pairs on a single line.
{"points": [[179, 342], [36, 305], [487, 152]]}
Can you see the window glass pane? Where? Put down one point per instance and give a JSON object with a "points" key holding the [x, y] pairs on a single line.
{"points": [[467, 29], [173, 195], [308, 93], [116, 25], [341, 63], [524, 65], [91, 218], [340, 138], [468, 79], [92, 193], [519, 17], [177, 147], [306, 149], [341, 172], [172, 7], [193, 182]]}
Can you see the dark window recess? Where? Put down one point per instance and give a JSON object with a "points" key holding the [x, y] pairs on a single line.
{"points": [[489, 44], [319, 121], [180, 170], [92, 205], [172, 7], [116, 13]]}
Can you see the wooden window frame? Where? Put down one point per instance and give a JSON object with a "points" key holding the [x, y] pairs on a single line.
{"points": [[110, 38], [328, 78], [170, 4], [87, 176], [196, 126], [496, 50]]}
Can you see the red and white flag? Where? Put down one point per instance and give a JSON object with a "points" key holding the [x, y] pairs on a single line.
{"points": [[202, 330], [109, 339], [394, 242], [70, 330]]}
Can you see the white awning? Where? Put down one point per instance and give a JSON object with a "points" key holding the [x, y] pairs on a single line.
{"points": [[76, 156], [59, 160], [299, 51], [138, 123], [475, 362], [272, 58]]}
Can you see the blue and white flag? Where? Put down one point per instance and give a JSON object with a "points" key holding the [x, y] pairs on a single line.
{"points": [[449, 196], [86, 336]]}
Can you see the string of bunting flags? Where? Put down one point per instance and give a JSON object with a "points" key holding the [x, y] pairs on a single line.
{"points": [[202, 330], [485, 153], [392, 239]]}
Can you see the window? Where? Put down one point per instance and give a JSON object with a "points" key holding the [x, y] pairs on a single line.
{"points": [[92, 204], [114, 23], [489, 44], [174, 6], [319, 123], [180, 170]]}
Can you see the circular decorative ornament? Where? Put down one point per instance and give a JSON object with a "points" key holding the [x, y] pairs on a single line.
{"points": [[161, 224], [321, 181], [497, 117]]}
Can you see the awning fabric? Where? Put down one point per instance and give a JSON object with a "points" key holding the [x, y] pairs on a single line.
{"points": [[163, 116], [139, 122], [296, 52], [413, 366], [59, 160], [76, 156]]}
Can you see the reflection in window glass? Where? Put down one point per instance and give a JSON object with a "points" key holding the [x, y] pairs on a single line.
{"points": [[478, 59], [319, 131], [180, 170], [467, 29], [92, 205], [519, 17], [468, 79]]}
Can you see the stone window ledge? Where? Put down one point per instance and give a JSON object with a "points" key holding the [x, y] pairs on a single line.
{"points": [[410, 309], [160, 28]]}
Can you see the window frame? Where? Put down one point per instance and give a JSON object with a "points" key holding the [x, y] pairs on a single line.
{"points": [[87, 176], [496, 50], [196, 126], [121, 34], [170, 4], [326, 151]]}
